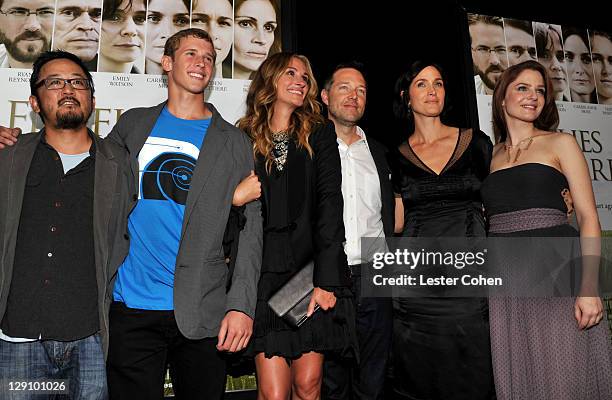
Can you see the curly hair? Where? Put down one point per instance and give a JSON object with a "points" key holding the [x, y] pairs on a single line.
{"points": [[260, 106]]}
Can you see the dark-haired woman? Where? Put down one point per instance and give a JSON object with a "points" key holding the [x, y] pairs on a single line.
{"points": [[441, 345], [579, 65], [557, 347]]}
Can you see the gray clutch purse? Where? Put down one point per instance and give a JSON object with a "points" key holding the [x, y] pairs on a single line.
{"points": [[291, 301]]}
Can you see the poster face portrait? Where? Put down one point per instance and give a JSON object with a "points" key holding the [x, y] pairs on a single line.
{"points": [[164, 19], [217, 18], [25, 31], [579, 65], [77, 29], [549, 45], [601, 51], [123, 36], [489, 54], [519, 41], [256, 25]]}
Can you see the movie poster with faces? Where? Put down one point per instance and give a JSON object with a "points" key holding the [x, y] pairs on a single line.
{"points": [[579, 62], [122, 42]]}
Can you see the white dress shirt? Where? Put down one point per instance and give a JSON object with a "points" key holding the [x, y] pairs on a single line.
{"points": [[362, 198]]}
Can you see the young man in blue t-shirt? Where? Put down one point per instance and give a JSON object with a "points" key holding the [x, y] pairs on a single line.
{"points": [[170, 304]]}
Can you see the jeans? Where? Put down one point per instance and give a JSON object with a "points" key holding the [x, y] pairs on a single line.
{"points": [[80, 362]]}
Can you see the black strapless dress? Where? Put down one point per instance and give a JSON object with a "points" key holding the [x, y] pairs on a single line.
{"points": [[537, 350], [441, 347]]}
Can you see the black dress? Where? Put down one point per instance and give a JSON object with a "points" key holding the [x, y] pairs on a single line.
{"points": [[441, 347], [538, 351], [302, 207]]}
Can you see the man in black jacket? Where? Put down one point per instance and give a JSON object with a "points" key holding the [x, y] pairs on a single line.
{"points": [[368, 212]]}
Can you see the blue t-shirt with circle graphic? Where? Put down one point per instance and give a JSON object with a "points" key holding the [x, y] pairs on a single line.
{"points": [[167, 160]]}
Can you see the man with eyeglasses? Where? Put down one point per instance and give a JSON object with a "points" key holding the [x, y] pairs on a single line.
{"points": [[519, 41], [77, 29], [25, 31], [64, 200], [489, 53]]}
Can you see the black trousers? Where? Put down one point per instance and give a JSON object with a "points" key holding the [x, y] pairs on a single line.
{"points": [[344, 379], [143, 342]]}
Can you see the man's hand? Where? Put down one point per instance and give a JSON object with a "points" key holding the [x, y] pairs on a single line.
{"points": [[323, 298], [236, 330], [8, 136]]}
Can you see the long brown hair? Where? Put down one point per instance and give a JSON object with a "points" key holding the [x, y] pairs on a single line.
{"points": [[548, 120], [260, 106]]}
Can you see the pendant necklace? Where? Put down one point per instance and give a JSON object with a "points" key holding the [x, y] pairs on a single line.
{"points": [[522, 145]]}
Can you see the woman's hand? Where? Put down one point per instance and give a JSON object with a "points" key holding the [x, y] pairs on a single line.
{"points": [[323, 298], [248, 189], [588, 311]]}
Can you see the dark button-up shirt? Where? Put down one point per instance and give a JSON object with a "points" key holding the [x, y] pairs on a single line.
{"points": [[53, 292]]}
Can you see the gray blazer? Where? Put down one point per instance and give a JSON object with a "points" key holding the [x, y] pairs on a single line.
{"points": [[226, 157], [113, 200]]}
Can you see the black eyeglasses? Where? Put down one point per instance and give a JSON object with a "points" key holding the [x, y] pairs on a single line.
{"points": [[485, 51], [21, 14], [60, 83]]}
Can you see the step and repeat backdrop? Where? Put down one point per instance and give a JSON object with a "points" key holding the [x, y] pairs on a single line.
{"points": [[579, 62], [122, 42]]}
